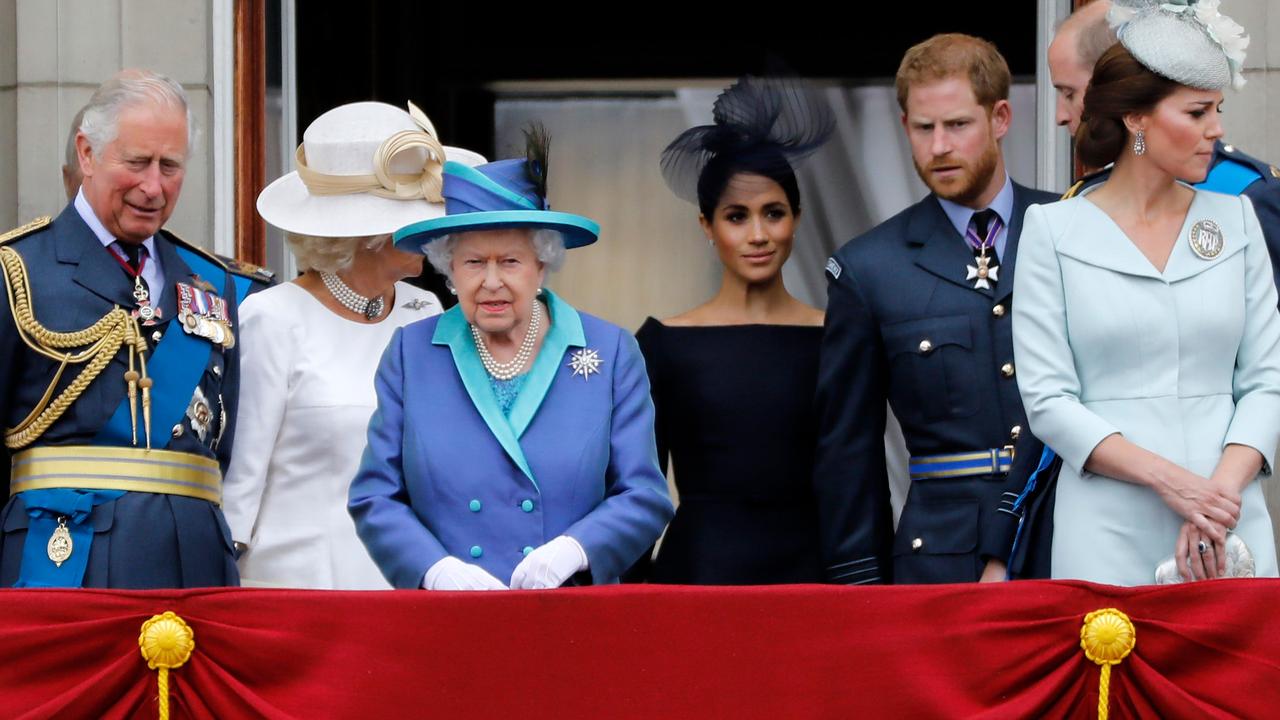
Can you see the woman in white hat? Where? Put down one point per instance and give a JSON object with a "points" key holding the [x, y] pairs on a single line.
{"points": [[1146, 332], [310, 347]]}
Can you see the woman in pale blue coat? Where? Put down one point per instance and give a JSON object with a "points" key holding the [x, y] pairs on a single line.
{"points": [[513, 443], [1145, 331]]}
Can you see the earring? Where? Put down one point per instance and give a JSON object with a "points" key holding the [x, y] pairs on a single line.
{"points": [[1140, 143]]}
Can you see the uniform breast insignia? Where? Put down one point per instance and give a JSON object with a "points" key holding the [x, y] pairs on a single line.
{"points": [[205, 315], [833, 267], [203, 284], [1206, 239], [584, 362], [200, 414]]}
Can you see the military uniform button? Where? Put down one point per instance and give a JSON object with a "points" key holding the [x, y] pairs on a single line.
{"points": [[217, 371], [527, 549], [1229, 148], [527, 506], [926, 346], [917, 544], [155, 338], [177, 430], [476, 551], [998, 311], [474, 505], [1015, 432], [1007, 370]]}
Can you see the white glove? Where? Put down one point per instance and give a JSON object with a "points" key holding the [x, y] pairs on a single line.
{"points": [[550, 565], [450, 573]]}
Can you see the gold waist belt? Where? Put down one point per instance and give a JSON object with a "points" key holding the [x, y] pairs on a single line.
{"points": [[90, 467]]}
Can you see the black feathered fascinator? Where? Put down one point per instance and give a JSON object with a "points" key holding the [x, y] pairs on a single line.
{"points": [[761, 124]]}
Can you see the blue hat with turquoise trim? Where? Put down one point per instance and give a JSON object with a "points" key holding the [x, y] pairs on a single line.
{"points": [[497, 195]]}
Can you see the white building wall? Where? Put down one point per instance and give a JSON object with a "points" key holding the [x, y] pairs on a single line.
{"points": [[53, 53]]}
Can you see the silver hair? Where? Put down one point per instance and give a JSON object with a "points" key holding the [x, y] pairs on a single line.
{"points": [[327, 254], [548, 245], [129, 88], [71, 159]]}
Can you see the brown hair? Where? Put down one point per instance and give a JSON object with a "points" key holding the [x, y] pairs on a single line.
{"points": [[953, 54], [1120, 85]]}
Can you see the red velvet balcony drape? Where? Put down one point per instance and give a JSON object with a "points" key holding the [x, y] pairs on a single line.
{"points": [[1203, 650]]}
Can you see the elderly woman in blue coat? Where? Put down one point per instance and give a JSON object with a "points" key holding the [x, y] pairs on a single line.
{"points": [[513, 442]]}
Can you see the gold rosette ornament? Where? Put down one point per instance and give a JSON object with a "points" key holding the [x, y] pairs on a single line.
{"points": [[1107, 637], [166, 643]]}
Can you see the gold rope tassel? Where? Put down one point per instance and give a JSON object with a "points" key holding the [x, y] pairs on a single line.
{"points": [[1107, 637], [100, 342], [166, 643]]}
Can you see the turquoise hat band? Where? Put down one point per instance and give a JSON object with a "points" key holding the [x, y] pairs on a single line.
{"points": [[577, 230], [479, 179]]}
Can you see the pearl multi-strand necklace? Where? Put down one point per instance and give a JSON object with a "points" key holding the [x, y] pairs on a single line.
{"points": [[370, 308], [508, 370]]}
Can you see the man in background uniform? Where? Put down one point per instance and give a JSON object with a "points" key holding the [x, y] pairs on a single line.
{"points": [[117, 346]]}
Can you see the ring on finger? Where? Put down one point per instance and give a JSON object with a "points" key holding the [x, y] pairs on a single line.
{"points": [[1202, 546]]}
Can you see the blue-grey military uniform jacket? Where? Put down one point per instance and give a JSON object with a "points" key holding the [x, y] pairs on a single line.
{"points": [[904, 324], [141, 540]]}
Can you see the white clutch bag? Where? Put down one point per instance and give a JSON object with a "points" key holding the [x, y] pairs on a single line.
{"points": [[1239, 564]]}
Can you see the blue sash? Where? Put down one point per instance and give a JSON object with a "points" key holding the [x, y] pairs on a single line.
{"points": [[243, 286], [1046, 459], [1229, 178], [44, 507], [175, 366]]}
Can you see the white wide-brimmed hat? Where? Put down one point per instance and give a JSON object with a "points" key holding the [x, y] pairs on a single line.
{"points": [[365, 168]]}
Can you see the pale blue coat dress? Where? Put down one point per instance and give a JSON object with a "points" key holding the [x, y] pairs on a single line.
{"points": [[1181, 363]]}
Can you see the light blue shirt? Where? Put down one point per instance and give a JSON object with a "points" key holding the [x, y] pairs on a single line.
{"points": [[152, 272], [959, 215]]}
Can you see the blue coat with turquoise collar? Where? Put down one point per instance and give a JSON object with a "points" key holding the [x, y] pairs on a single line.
{"points": [[446, 473]]}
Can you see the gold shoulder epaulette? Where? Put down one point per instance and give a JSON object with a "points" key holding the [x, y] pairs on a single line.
{"points": [[195, 248], [1071, 192], [20, 232]]}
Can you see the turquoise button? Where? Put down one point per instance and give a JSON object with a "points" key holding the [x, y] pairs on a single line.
{"points": [[475, 506], [527, 506], [527, 549], [476, 551]]}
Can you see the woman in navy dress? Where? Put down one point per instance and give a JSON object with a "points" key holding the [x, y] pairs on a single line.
{"points": [[733, 379]]}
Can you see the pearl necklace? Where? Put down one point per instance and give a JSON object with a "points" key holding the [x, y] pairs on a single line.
{"points": [[370, 308], [508, 370]]}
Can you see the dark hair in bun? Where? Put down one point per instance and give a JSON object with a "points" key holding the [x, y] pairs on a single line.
{"points": [[1120, 85]]}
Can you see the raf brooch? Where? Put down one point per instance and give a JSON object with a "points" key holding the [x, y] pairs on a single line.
{"points": [[415, 304], [584, 362], [1206, 239]]}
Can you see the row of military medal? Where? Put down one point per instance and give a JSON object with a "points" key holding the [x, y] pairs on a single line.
{"points": [[205, 314]]}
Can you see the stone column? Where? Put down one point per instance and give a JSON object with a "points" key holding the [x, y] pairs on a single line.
{"points": [[63, 50], [8, 114]]}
